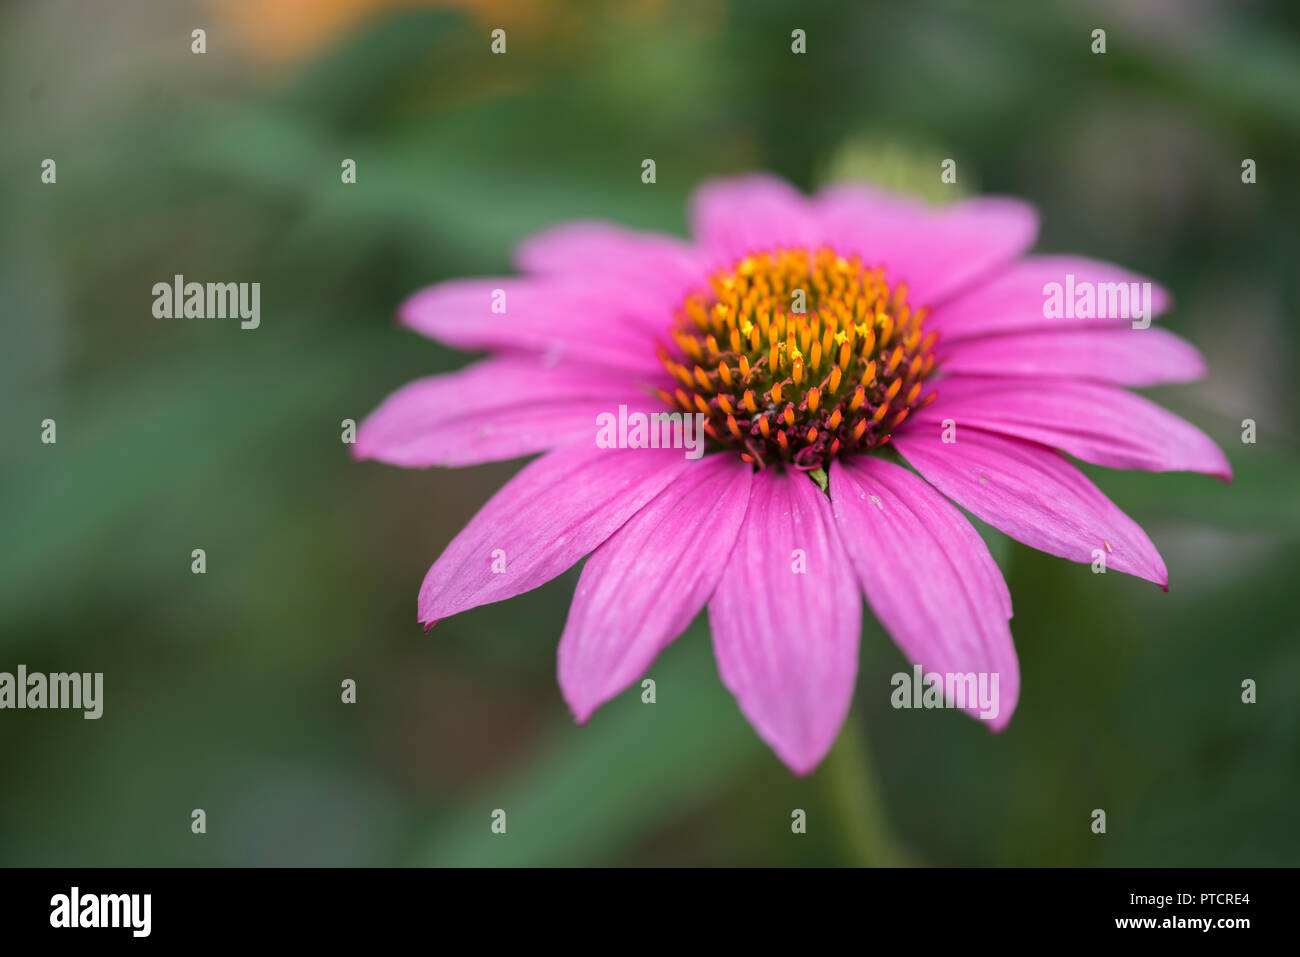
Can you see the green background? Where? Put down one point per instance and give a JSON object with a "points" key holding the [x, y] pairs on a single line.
{"points": [[222, 690]]}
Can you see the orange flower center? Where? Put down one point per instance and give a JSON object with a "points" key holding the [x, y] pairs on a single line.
{"points": [[796, 356]]}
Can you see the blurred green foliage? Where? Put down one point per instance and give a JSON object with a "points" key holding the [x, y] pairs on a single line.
{"points": [[222, 691]]}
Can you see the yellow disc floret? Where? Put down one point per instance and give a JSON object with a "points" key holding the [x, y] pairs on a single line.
{"points": [[796, 356]]}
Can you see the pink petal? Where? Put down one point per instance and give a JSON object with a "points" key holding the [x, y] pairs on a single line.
{"points": [[787, 642], [1122, 355], [731, 218], [592, 320], [1034, 495], [849, 213], [1014, 300], [495, 409], [643, 586], [937, 251], [1093, 422], [555, 511], [645, 261], [929, 577]]}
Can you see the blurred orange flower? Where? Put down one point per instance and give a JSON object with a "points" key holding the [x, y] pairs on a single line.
{"points": [[288, 29]]}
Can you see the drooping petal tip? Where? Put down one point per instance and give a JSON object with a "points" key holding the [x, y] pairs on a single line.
{"points": [[554, 512], [786, 618], [647, 582], [1031, 493], [930, 579]]}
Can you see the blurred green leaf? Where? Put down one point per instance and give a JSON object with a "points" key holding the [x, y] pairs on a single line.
{"points": [[589, 791]]}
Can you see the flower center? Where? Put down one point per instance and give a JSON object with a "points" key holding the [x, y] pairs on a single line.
{"points": [[796, 356]]}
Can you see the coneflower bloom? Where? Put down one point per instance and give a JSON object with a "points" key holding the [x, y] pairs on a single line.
{"points": [[820, 341]]}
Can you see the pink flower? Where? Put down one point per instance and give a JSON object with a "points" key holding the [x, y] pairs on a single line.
{"points": [[924, 331]]}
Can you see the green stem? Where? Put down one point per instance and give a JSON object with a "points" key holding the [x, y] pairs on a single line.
{"points": [[855, 797]]}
